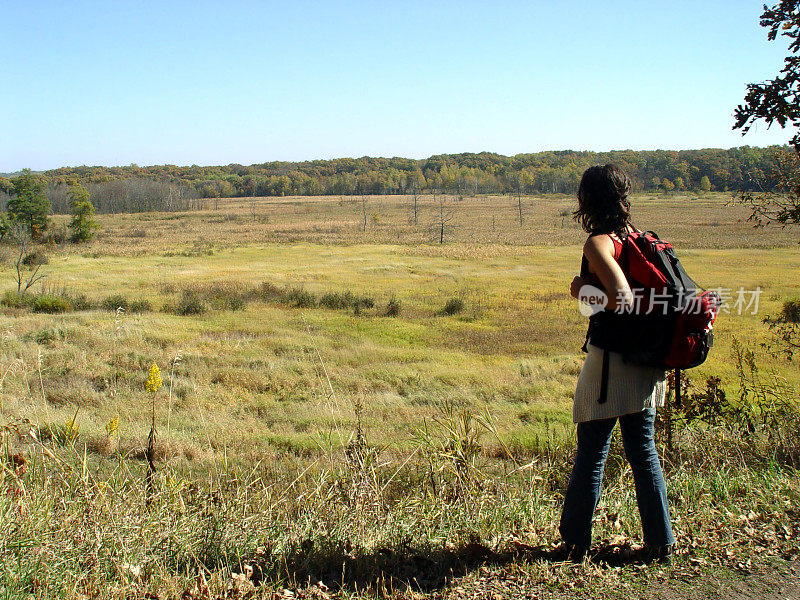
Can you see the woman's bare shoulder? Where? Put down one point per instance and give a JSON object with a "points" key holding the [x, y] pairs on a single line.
{"points": [[599, 244]]}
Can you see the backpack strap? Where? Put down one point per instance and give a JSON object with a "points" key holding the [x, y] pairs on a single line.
{"points": [[584, 266], [604, 378], [585, 273]]}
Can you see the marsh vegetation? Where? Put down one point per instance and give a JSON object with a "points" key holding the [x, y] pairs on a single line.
{"points": [[363, 410]]}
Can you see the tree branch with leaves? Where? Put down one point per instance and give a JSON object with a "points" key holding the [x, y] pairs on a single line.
{"points": [[778, 100]]}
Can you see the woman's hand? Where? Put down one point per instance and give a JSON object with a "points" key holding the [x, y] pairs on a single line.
{"points": [[576, 285]]}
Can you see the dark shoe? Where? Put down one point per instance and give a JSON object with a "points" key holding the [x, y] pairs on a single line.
{"points": [[568, 553], [658, 554]]}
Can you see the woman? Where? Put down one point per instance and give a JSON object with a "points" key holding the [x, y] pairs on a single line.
{"points": [[631, 393]]}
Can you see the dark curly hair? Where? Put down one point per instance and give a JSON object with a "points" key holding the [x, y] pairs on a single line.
{"points": [[603, 205]]}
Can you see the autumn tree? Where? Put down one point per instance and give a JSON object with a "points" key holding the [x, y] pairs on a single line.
{"points": [[83, 223], [778, 100], [28, 204]]}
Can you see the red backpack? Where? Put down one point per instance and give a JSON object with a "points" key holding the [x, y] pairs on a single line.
{"points": [[669, 324]]}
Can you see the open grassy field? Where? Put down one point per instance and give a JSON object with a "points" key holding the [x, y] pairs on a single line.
{"points": [[698, 221], [271, 377], [253, 380]]}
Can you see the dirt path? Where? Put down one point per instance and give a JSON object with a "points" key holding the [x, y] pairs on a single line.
{"points": [[781, 582]]}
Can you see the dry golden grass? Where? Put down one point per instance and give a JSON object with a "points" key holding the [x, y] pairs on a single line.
{"points": [[251, 381], [689, 220], [466, 416]]}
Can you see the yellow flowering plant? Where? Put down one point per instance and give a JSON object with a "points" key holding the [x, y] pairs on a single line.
{"points": [[153, 383]]}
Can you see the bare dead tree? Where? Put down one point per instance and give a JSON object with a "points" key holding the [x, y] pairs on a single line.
{"points": [[445, 216], [24, 280], [415, 194], [519, 185], [364, 211]]}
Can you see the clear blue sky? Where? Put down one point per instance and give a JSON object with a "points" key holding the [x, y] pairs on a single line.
{"points": [[206, 83]]}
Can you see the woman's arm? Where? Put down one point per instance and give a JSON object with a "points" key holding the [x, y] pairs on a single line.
{"points": [[599, 251]]}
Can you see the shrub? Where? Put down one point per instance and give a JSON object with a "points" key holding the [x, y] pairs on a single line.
{"points": [[269, 291], [47, 303], [35, 258], [336, 300], [46, 336], [15, 300], [83, 223], [393, 307], [453, 306], [345, 300], [190, 304], [790, 312], [363, 302], [236, 303], [299, 297], [55, 236], [80, 302], [222, 295], [140, 306], [114, 302]]}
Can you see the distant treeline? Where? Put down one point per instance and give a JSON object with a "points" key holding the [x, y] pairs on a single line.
{"points": [[169, 187]]}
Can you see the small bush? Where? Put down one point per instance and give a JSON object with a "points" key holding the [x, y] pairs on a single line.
{"points": [[190, 304], [140, 306], [114, 302], [15, 300], [337, 300], [222, 295], [267, 292], [393, 307], [35, 258], [345, 300], [56, 236], [81, 302], [236, 303], [47, 303], [453, 306], [790, 313], [299, 297], [46, 336]]}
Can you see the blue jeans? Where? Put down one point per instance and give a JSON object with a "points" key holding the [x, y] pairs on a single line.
{"points": [[583, 492]]}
